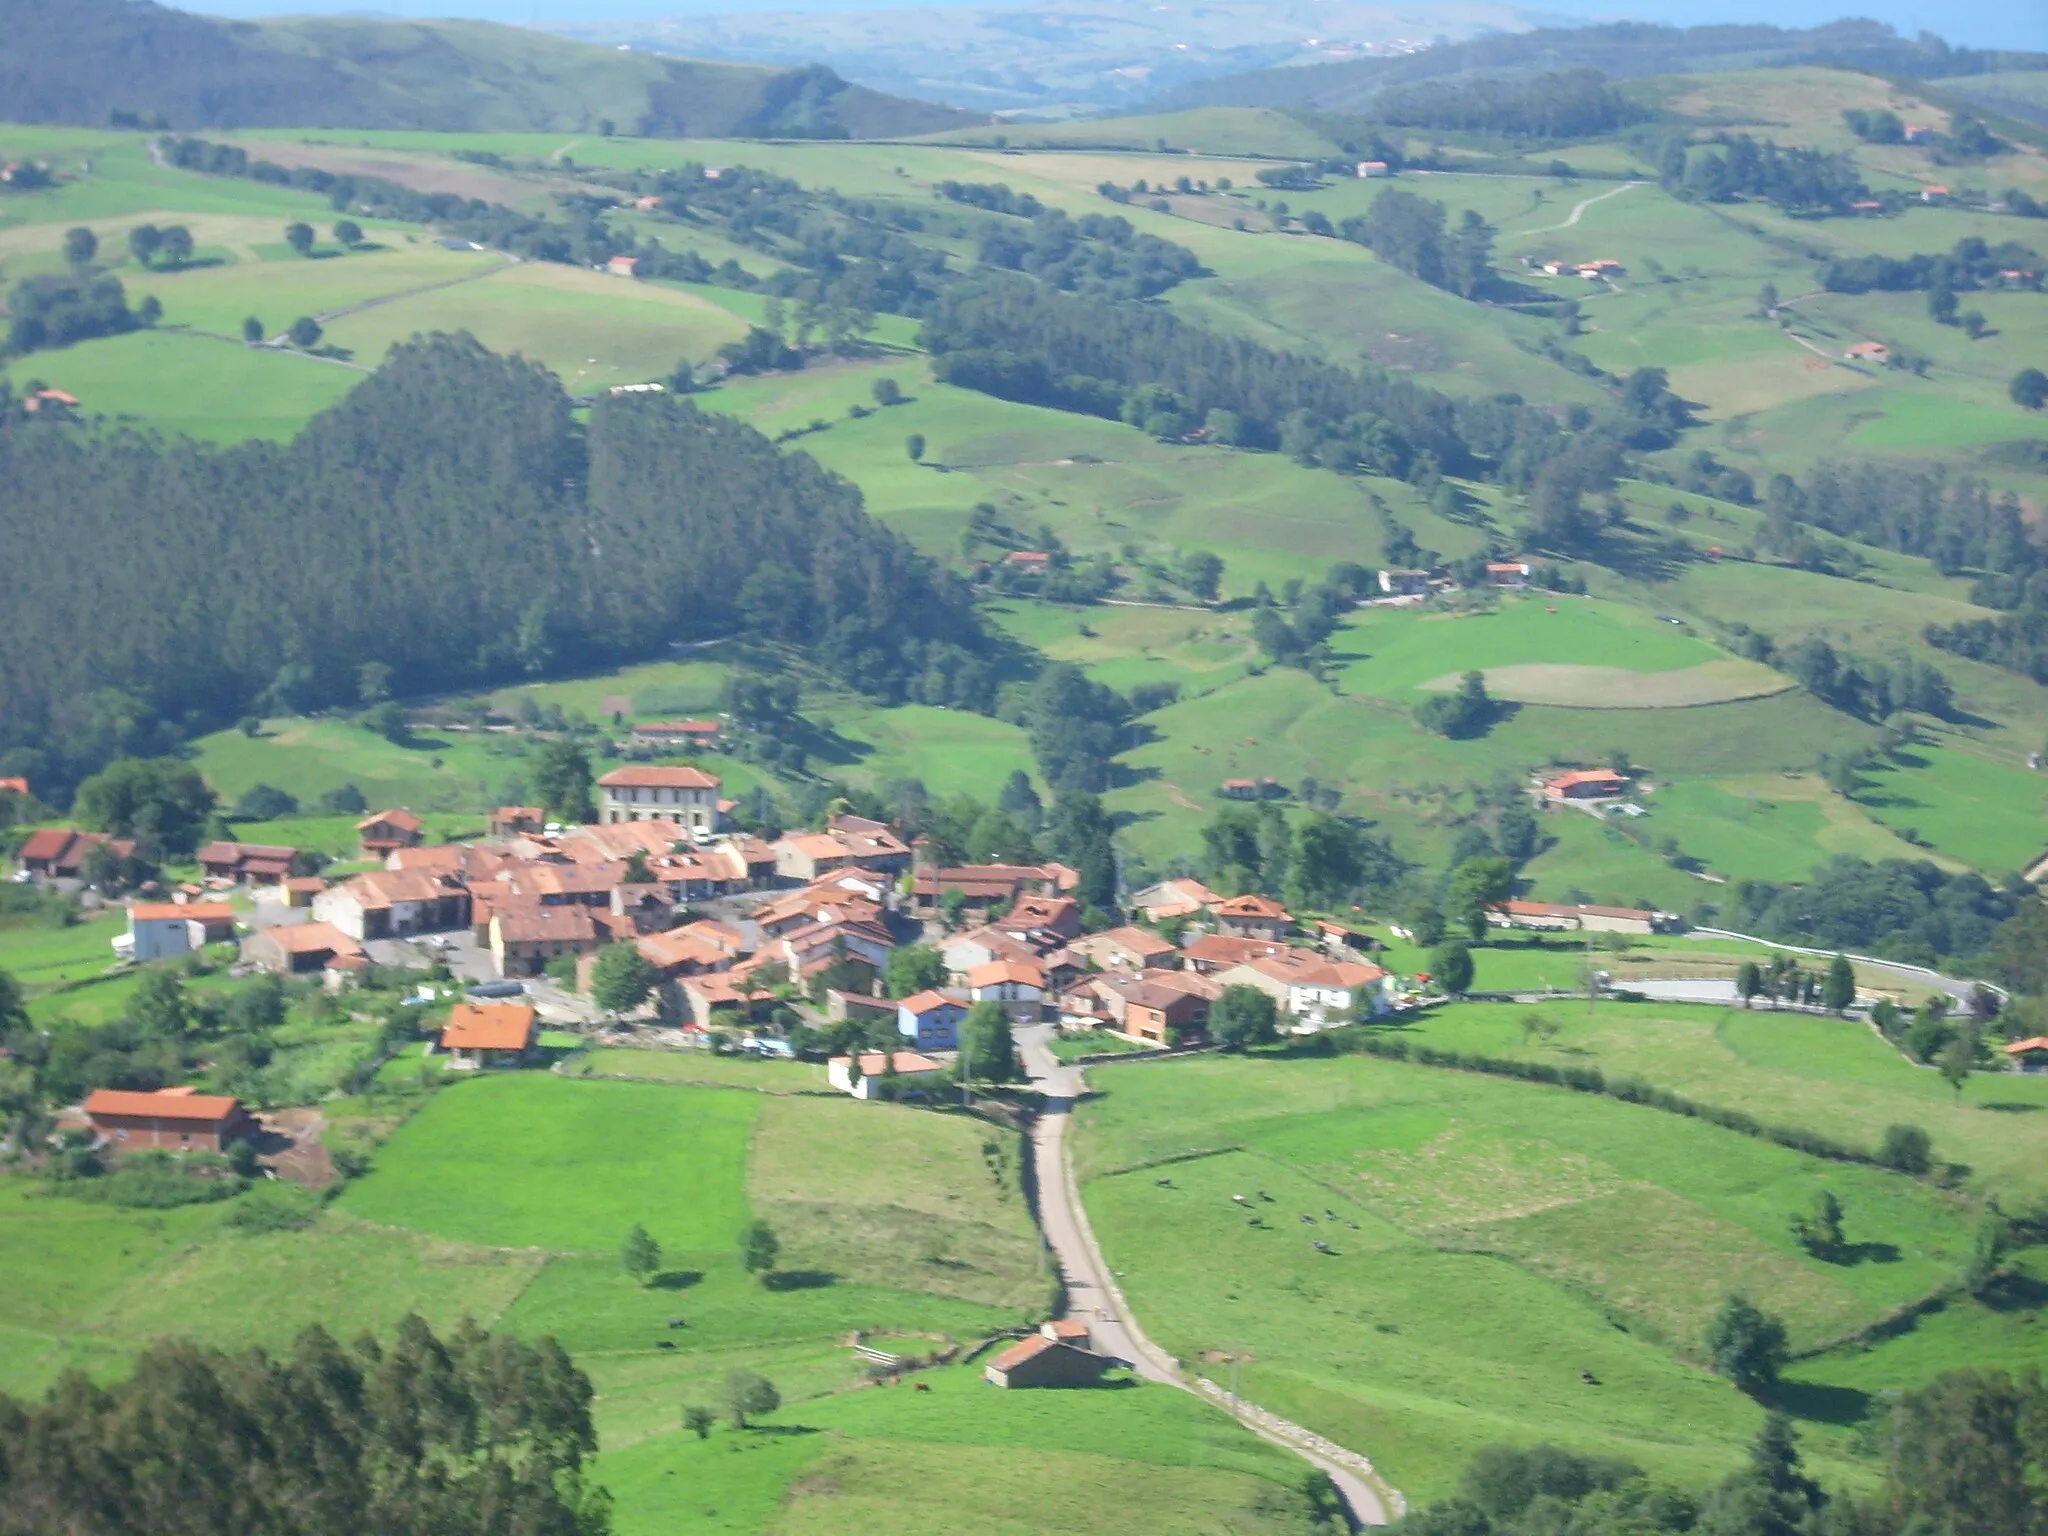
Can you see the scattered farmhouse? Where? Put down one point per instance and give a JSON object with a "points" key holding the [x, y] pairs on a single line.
{"points": [[1373, 170], [383, 831], [481, 1035], [176, 1119], [1547, 917], [1043, 1362], [60, 853], [688, 796], [1868, 352], [257, 863], [1586, 784], [1511, 574], [675, 735], [862, 1077], [296, 948], [2029, 1055]]}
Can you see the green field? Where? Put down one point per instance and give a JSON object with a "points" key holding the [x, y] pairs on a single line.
{"points": [[1492, 1240]]}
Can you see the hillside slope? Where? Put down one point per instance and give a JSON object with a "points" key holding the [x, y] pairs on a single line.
{"points": [[78, 61]]}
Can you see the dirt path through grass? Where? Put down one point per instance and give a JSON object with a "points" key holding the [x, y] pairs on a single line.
{"points": [[1580, 211]]}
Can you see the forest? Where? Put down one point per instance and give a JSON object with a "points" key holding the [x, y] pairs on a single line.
{"points": [[452, 521], [1563, 104]]}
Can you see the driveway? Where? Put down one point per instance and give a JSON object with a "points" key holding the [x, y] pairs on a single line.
{"points": [[1092, 1294]]}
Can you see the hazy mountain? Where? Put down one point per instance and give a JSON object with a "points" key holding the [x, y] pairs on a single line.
{"points": [[77, 61]]}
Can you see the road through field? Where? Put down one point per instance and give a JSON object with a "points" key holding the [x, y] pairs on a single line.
{"points": [[1093, 1297], [1580, 211]]}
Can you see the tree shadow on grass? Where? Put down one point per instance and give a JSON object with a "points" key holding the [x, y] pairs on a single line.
{"points": [[2006, 1107], [1867, 1253], [798, 1280], [1821, 1404], [2012, 1292], [675, 1279]]}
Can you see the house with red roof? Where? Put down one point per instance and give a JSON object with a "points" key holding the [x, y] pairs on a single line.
{"points": [[863, 1077], [683, 794], [59, 853], [1586, 784], [931, 1019], [1252, 916], [479, 1035], [257, 863], [1046, 1362], [382, 831], [174, 1119]]}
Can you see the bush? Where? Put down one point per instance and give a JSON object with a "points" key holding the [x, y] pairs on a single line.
{"points": [[156, 1181], [275, 1207], [1907, 1149], [264, 802]]}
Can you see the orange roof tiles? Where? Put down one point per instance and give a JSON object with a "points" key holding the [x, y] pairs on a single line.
{"points": [[658, 778], [169, 1104], [488, 1027]]}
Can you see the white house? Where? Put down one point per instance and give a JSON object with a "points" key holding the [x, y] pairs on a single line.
{"points": [[910, 1068], [685, 795], [1019, 985], [1327, 994]]}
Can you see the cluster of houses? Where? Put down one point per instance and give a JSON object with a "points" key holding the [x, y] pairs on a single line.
{"points": [[1600, 269]]}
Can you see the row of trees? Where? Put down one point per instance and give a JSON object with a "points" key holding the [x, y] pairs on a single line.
{"points": [[1559, 104], [1411, 233]]}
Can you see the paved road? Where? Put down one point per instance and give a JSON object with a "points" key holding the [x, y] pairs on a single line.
{"points": [[1092, 1295]]}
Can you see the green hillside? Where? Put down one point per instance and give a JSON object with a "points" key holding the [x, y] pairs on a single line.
{"points": [[79, 63]]}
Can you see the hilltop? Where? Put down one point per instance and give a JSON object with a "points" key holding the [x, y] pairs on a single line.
{"points": [[90, 63]]}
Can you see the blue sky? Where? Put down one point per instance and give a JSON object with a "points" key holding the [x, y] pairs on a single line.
{"points": [[1979, 23]]}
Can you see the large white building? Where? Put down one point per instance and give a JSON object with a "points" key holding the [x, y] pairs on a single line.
{"points": [[688, 796]]}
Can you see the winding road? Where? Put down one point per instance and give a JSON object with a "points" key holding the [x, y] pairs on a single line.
{"points": [[1580, 211], [1092, 1294]]}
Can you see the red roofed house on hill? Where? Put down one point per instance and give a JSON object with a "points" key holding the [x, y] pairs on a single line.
{"points": [[173, 1118], [257, 863], [909, 1068], [1586, 784], [671, 735], [385, 830], [1019, 985], [489, 1035], [60, 853], [688, 796], [1252, 917]]}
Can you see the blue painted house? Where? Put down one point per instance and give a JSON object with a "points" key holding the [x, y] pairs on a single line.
{"points": [[931, 1020]]}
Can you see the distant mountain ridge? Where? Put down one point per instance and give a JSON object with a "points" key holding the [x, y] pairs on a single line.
{"points": [[1622, 50], [79, 61]]}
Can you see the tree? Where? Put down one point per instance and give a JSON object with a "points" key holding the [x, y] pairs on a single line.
{"points": [[1746, 1346], [560, 773], [1451, 969], [2029, 389], [305, 333], [988, 1051], [1476, 885], [299, 236], [80, 246], [1426, 923], [158, 1007], [264, 802], [1958, 1058], [698, 1420], [1819, 1229], [373, 682], [639, 1254], [348, 232], [952, 904], [1201, 572], [150, 310], [887, 392], [1749, 981], [759, 1248], [252, 330], [344, 801], [177, 245], [621, 978], [1243, 1016], [912, 969], [161, 802], [747, 1394], [914, 446], [1987, 1253], [1838, 992], [1907, 1149], [144, 241], [1467, 712]]}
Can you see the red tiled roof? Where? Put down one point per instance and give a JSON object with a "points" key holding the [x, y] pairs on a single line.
{"points": [[925, 1002], [189, 911], [1585, 776], [997, 972], [658, 778], [1252, 905], [307, 938], [169, 1104], [488, 1027], [404, 820], [46, 843], [871, 1063], [1022, 1350]]}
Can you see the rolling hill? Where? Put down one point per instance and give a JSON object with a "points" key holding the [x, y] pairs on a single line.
{"points": [[84, 63]]}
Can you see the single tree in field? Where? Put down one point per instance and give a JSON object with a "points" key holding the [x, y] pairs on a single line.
{"points": [[1838, 992], [1958, 1059], [1907, 1149], [759, 1249], [1451, 969], [620, 978], [80, 246], [349, 233], [1426, 923], [886, 392], [150, 310], [299, 236], [914, 446], [144, 241], [698, 1421], [252, 330], [1819, 1229], [2029, 389], [177, 246], [305, 333], [1243, 1016], [747, 1394], [639, 1254], [1746, 1346]]}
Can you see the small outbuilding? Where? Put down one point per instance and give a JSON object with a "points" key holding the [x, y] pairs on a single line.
{"points": [[490, 1035], [1044, 1362], [174, 1119]]}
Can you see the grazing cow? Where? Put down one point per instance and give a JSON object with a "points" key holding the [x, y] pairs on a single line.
{"points": [[920, 1386], [1321, 1247]]}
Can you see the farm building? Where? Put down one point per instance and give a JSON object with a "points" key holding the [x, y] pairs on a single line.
{"points": [[2029, 1055], [1543, 916], [1934, 194], [1174, 898], [988, 888], [1252, 917], [176, 1119], [524, 939], [1512, 574], [932, 1020], [1042, 1362], [299, 947], [909, 1068], [623, 266], [674, 734], [60, 853], [1586, 784], [479, 1035], [300, 890], [1373, 170], [1250, 789], [1868, 352], [257, 863], [159, 930], [382, 831], [685, 795], [1404, 583]]}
